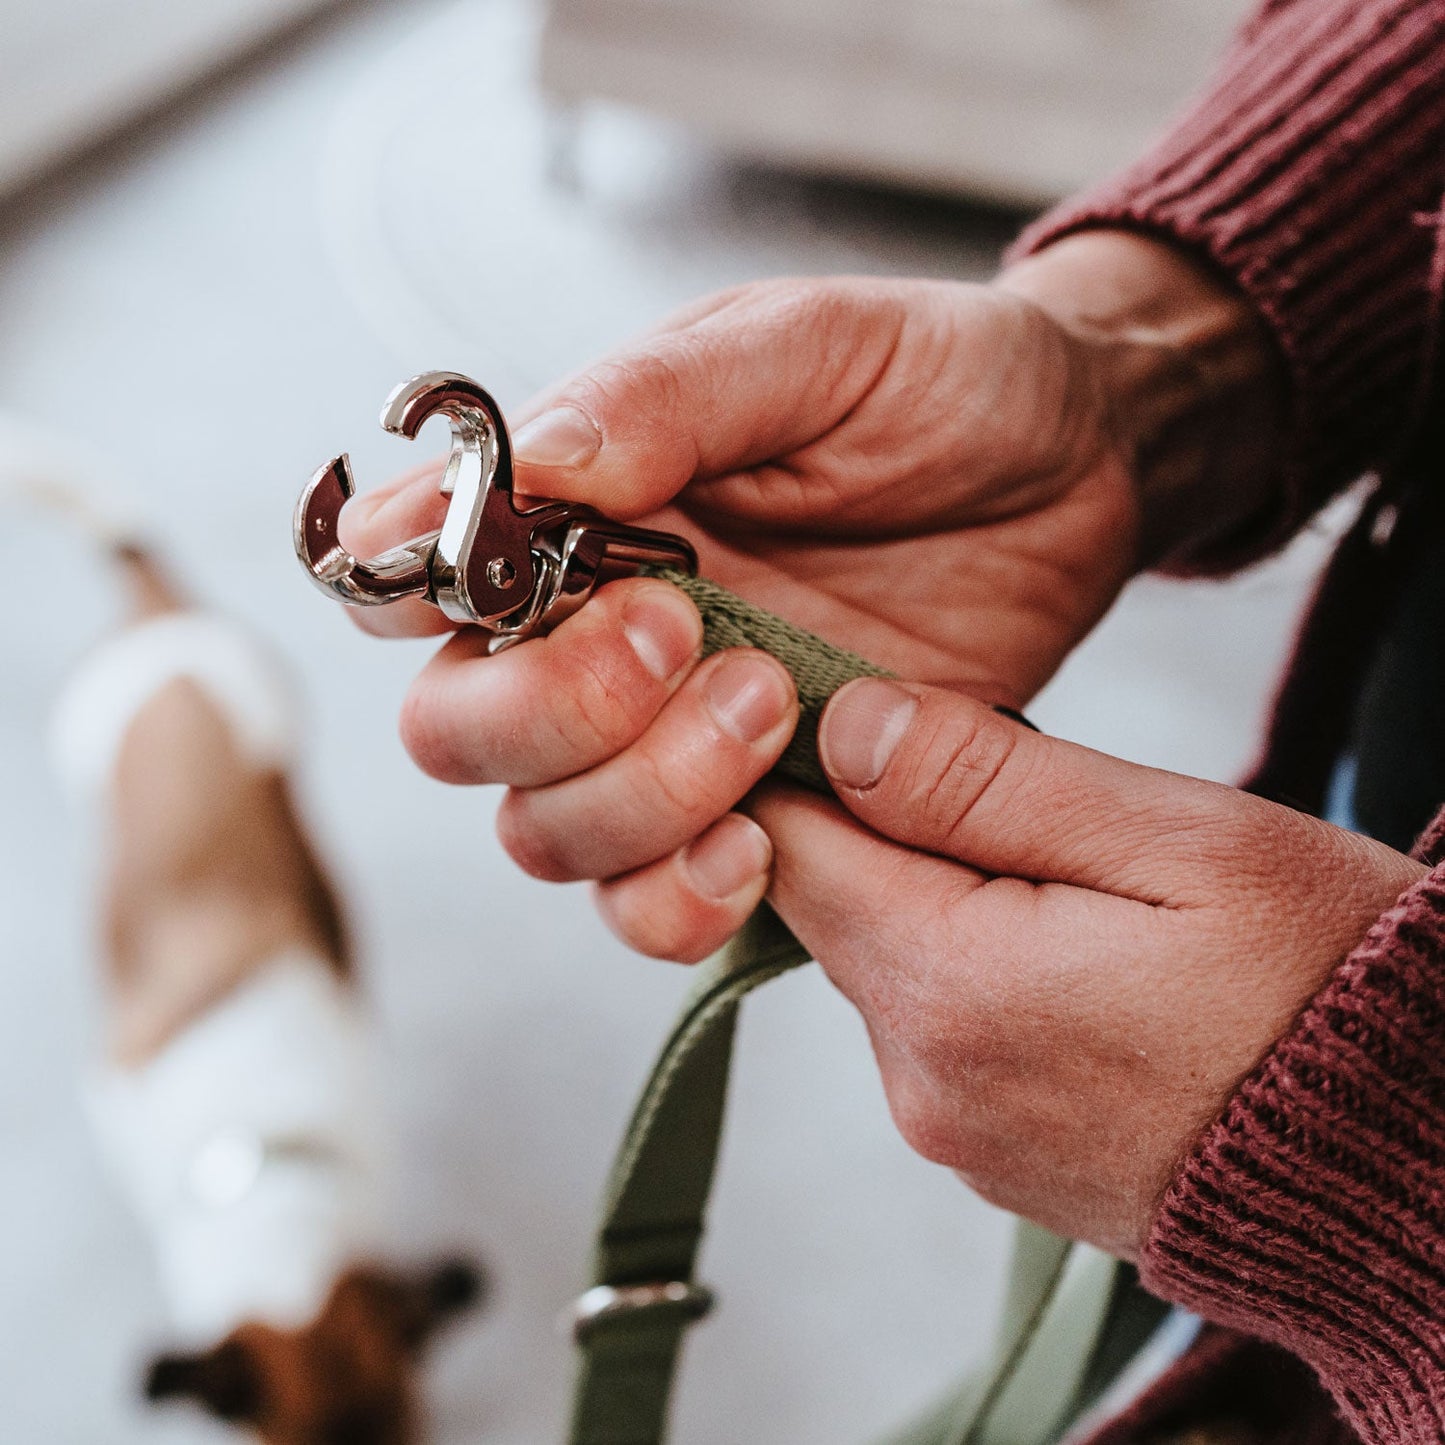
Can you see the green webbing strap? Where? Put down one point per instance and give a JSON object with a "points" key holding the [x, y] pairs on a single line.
{"points": [[1073, 1318], [819, 669], [653, 1210], [1067, 1311]]}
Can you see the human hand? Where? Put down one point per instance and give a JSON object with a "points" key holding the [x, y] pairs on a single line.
{"points": [[928, 472], [1066, 963], [952, 479]]}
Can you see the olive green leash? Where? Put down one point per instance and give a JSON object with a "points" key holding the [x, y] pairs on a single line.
{"points": [[1072, 1318]]}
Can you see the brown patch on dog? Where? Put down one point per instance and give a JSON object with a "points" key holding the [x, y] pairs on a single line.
{"points": [[348, 1378]]}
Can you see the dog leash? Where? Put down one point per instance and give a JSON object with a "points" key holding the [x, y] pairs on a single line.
{"points": [[1073, 1317]]}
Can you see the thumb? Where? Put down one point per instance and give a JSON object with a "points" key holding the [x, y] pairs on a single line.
{"points": [[748, 376], [744, 377], [949, 775]]}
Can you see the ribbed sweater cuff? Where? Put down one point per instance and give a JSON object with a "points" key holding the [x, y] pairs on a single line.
{"points": [[1310, 173], [1312, 1214]]}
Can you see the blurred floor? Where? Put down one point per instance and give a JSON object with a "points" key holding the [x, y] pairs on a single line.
{"points": [[220, 302]]}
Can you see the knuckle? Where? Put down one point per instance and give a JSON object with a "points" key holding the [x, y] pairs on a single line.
{"points": [[606, 698], [597, 710], [656, 928], [651, 375], [960, 761], [428, 739], [681, 785], [533, 849], [789, 303]]}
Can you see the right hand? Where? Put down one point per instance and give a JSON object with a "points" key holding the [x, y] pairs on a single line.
{"points": [[930, 473]]}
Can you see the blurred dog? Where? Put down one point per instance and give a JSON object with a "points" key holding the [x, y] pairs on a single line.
{"points": [[235, 1104]]}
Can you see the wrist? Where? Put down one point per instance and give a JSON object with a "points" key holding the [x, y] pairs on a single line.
{"points": [[1192, 385]]}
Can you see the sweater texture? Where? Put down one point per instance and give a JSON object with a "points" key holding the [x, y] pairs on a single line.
{"points": [[1310, 174], [1307, 1224]]}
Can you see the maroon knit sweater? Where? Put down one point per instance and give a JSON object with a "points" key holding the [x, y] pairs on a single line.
{"points": [[1308, 1223]]}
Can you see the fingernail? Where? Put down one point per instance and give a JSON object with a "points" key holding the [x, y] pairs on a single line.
{"points": [[562, 437], [733, 853], [663, 627], [748, 695], [861, 730]]}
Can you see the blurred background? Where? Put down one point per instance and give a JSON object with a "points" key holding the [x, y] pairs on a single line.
{"points": [[226, 230]]}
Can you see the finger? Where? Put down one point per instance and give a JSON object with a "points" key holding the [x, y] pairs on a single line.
{"points": [[687, 905], [400, 509], [407, 618], [559, 704], [948, 774], [371, 522], [839, 887], [721, 732]]}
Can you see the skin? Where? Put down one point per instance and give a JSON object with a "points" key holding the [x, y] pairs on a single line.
{"points": [[1065, 962]]}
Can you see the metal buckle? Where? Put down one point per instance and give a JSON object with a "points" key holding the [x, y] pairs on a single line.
{"points": [[605, 1303], [515, 572]]}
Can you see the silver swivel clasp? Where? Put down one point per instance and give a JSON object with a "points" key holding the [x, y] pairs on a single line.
{"points": [[514, 573]]}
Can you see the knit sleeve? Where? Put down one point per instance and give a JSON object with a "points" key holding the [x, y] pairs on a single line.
{"points": [[1311, 172], [1312, 1214]]}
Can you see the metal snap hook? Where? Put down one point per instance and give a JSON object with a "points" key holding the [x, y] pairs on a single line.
{"points": [[513, 572], [483, 566], [446, 567]]}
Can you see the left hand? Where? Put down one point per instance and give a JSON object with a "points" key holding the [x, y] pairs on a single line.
{"points": [[1066, 963]]}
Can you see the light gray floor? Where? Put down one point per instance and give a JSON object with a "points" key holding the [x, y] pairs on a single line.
{"points": [[218, 304]]}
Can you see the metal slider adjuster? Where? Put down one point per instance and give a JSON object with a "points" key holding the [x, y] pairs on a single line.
{"points": [[604, 1303]]}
